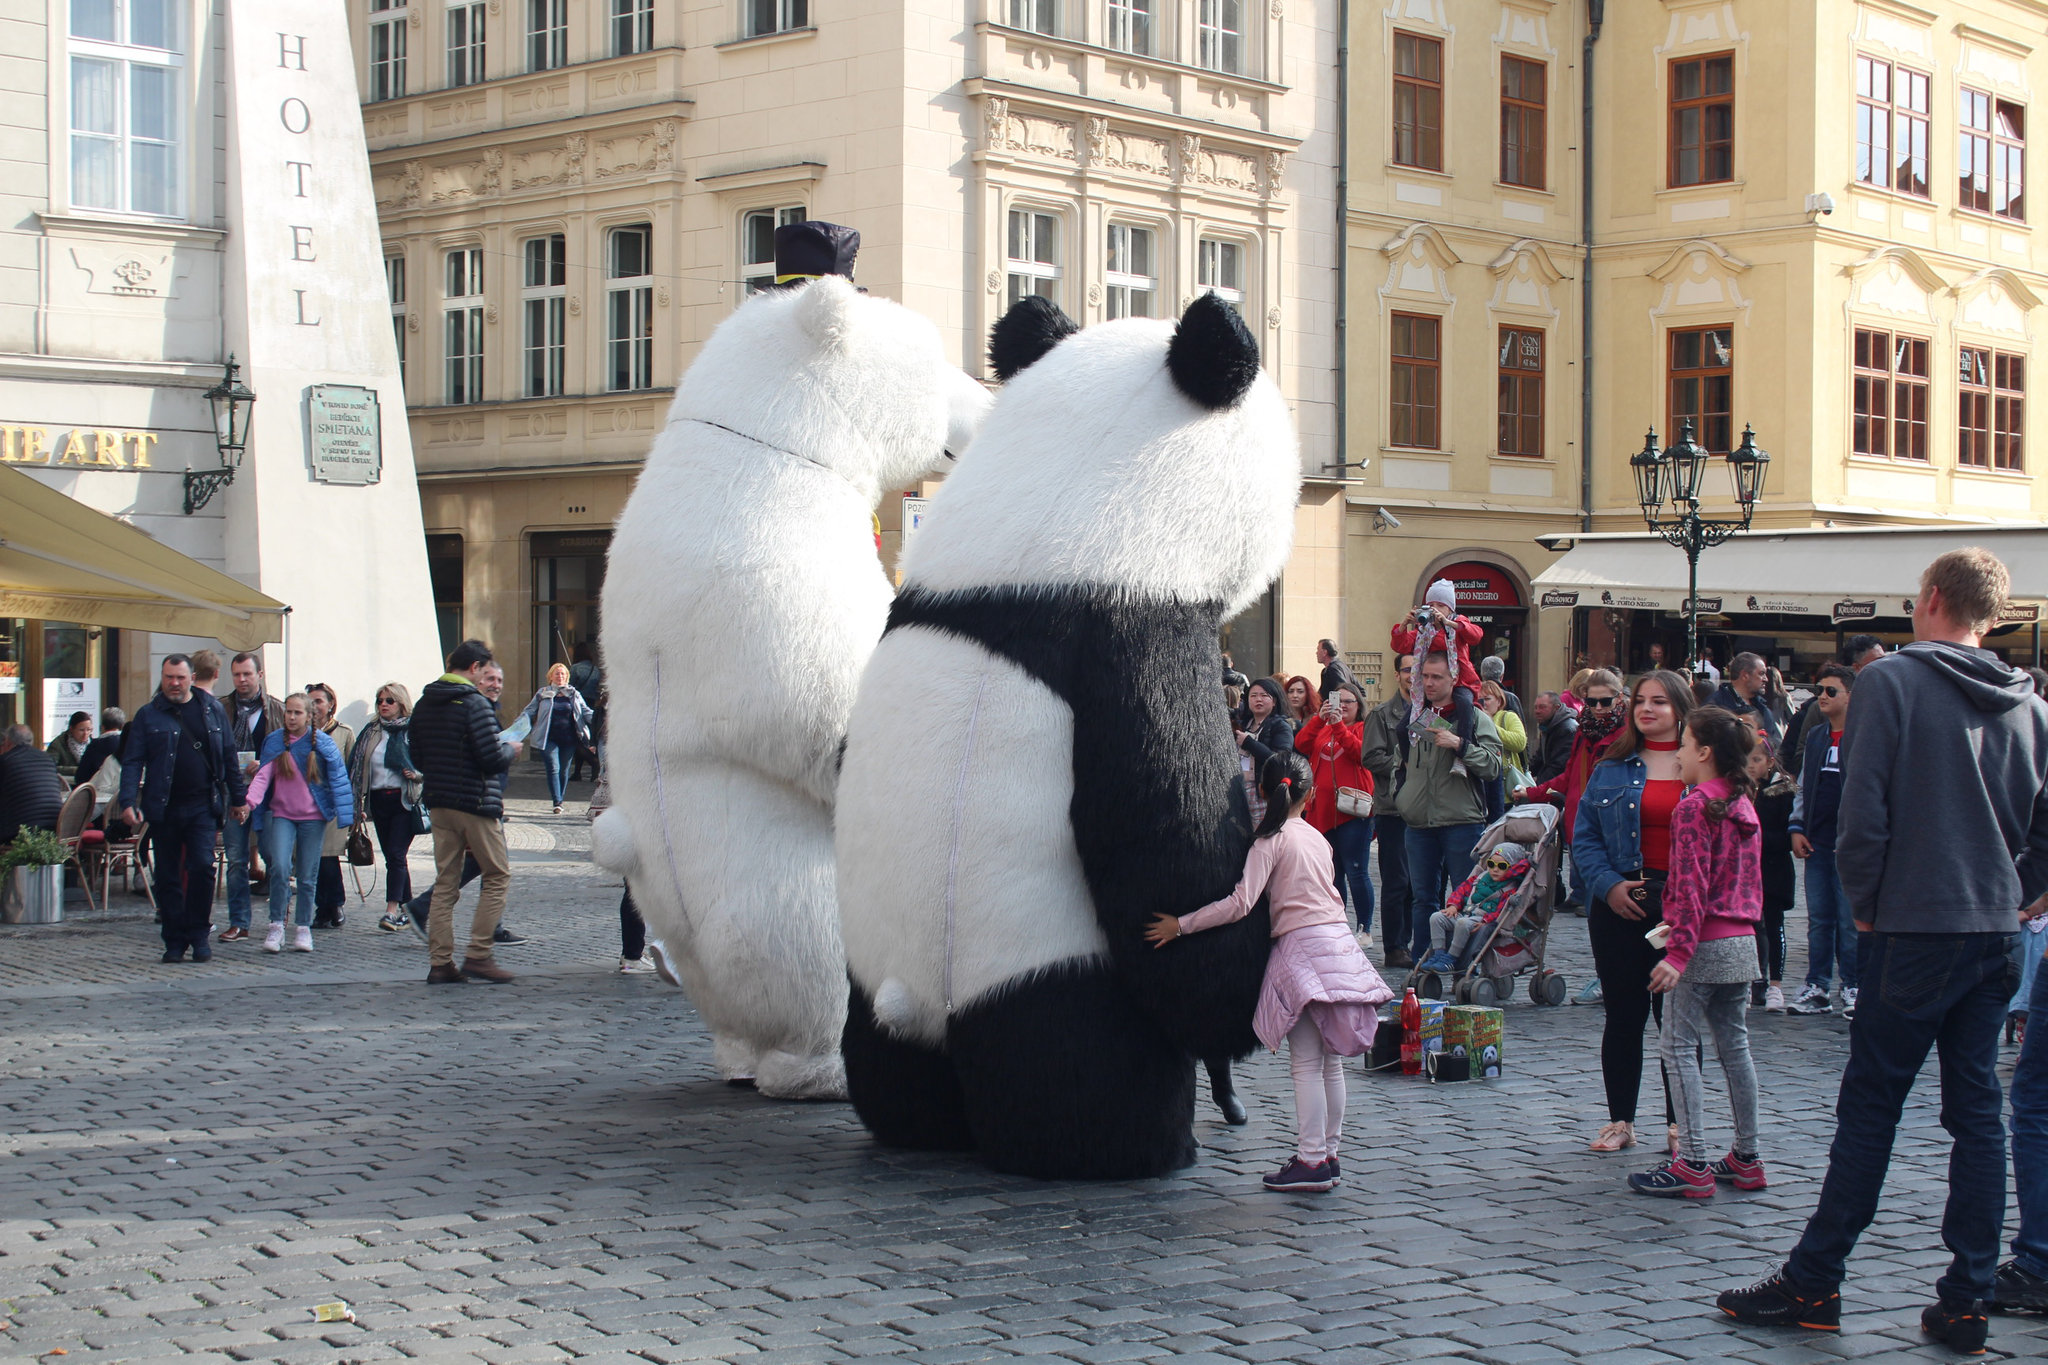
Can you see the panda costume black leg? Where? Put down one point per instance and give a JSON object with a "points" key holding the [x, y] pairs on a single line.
{"points": [[906, 1094]]}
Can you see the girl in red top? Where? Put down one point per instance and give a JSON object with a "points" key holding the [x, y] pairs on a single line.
{"points": [[1331, 741]]}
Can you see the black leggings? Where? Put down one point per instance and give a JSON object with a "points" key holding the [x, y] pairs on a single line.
{"points": [[632, 929], [1624, 960], [393, 823], [1770, 941]]}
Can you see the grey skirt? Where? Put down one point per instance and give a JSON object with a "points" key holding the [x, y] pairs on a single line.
{"points": [[1723, 961]]}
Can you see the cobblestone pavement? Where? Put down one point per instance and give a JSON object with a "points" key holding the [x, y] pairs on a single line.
{"points": [[194, 1156]]}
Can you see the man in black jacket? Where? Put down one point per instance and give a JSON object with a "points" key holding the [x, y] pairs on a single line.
{"points": [[31, 792], [178, 772], [105, 746], [455, 746], [1556, 728]]}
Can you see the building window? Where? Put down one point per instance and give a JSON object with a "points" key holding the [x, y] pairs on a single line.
{"points": [[394, 287], [444, 571], [1521, 392], [632, 27], [1130, 25], [1219, 268], [462, 326], [1035, 16], [127, 102], [543, 305], [1702, 385], [1033, 265], [629, 308], [1891, 127], [1129, 277], [1890, 398], [466, 44], [757, 244], [776, 16], [547, 34], [1219, 35], [1703, 120], [1522, 123], [1418, 102], [387, 49], [1993, 155], [1991, 398], [1413, 374]]}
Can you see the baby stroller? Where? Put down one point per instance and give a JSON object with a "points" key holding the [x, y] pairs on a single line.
{"points": [[1514, 943]]}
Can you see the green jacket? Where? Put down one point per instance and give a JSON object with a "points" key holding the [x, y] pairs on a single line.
{"points": [[1433, 795]]}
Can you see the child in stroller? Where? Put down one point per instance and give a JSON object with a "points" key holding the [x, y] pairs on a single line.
{"points": [[1476, 903]]}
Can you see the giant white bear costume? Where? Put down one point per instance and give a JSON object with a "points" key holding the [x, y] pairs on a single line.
{"points": [[742, 598], [1040, 760]]}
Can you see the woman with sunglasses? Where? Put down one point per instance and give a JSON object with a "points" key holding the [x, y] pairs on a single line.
{"points": [[388, 787], [1599, 718], [1622, 848]]}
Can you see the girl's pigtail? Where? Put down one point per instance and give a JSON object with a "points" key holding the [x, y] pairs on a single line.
{"points": [[1284, 780]]}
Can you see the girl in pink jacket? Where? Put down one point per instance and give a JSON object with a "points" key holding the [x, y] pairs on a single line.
{"points": [[1713, 902], [1320, 990]]}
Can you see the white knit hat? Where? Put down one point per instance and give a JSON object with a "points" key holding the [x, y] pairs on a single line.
{"points": [[1444, 591], [1511, 850]]}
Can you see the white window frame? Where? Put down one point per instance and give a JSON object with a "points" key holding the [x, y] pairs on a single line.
{"points": [[543, 315], [1217, 258], [547, 35], [628, 313], [775, 16], [1122, 285], [394, 290], [1127, 26], [1219, 35], [388, 19], [462, 325], [757, 274], [1037, 270], [1035, 16], [125, 58], [466, 44], [631, 27]]}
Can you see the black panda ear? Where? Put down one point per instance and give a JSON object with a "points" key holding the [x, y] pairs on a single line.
{"points": [[1213, 356], [1022, 336]]}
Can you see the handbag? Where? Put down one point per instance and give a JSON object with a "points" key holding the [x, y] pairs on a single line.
{"points": [[1354, 801], [422, 823], [359, 851]]}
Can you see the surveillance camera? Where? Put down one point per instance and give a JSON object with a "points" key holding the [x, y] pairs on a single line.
{"points": [[1383, 520], [1820, 203]]}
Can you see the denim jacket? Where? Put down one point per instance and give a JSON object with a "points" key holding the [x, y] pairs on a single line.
{"points": [[333, 795], [1607, 845]]}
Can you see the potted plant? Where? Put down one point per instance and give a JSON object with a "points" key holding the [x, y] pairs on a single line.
{"points": [[32, 878]]}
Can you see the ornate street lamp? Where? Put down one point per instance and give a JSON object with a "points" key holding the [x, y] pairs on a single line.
{"points": [[1674, 474], [233, 405]]}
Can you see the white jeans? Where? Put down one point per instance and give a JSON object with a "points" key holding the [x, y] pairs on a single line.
{"points": [[1318, 1092]]}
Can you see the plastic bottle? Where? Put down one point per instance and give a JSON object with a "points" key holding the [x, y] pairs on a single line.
{"points": [[1411, 1034]]}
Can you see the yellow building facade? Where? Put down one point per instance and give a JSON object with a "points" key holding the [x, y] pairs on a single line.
{"points": [[1812, 218]]}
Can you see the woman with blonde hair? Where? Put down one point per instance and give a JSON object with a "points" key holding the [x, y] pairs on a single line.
{"points": [[301, 784], [1514, 748], [560, 723], [387, 790]]}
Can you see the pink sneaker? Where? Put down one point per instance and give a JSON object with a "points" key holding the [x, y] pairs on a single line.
{"points": [[1743, 1175], [1675, 1179]]}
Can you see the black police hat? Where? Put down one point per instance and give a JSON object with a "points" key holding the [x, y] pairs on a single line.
{"points": [[806, 250]]}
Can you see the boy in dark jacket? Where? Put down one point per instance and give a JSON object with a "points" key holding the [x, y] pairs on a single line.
{"points": [[455, 745], [1830, 930]]}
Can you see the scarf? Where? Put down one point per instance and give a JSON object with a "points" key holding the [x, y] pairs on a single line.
{"points": [[247, 713], [1599, 727]]}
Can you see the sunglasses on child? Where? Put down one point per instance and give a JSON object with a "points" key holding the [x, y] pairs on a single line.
{"points": [[1834, 691], [1498, 864]]}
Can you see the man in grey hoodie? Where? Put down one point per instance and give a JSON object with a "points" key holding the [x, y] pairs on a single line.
{"points": [[1943, 836]]}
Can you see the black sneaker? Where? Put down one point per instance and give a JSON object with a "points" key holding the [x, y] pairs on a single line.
{"points": [[1961, 1326], [1297, 1176], [2015, 1291], [505, 937], [416, 915], [1773, 1302]]}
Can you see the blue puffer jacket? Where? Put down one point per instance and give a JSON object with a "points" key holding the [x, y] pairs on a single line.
{"points": [[1607, 845], [332, 794]]}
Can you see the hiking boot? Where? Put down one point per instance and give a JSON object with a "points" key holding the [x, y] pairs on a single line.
{"points": [[1773, 1302], [1812, 1000], [1297, 1176], [2016, 1291], [1961, 1326], [483, 969], [1744, 1173], [444, 975], [1675, 1179]]}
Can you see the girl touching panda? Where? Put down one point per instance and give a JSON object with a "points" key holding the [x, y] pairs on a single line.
{"points": [[1320, 991]]}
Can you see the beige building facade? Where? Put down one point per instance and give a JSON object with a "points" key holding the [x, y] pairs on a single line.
{"points": [[574, 193], [1813, 219]]}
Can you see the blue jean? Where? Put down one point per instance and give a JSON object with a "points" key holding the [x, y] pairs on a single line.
{"points": [[2030, 1129], [1943, 991], [292, 848], [1434, 857], [1830, 925], [1351, 842], [234, 847], [559, 757]]}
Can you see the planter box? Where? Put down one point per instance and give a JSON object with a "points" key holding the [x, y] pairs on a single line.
{"points": [[33, 895]]}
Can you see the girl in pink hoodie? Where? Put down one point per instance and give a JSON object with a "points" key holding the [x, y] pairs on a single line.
{"points": [[1713, 902], [1320, 990]]}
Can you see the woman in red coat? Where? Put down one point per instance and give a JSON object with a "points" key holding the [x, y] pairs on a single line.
{"points": [[1331, 741]]}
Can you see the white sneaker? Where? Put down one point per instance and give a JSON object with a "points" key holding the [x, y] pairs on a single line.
{"points": [[1812, 1000], [1364, 940], [273, 942], [302, 939], [1774, 999], [635, 964], [1848, 1002]]}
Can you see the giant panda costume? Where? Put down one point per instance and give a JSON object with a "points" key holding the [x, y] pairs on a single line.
{"points": [[1039, 760], [743, 596]]}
